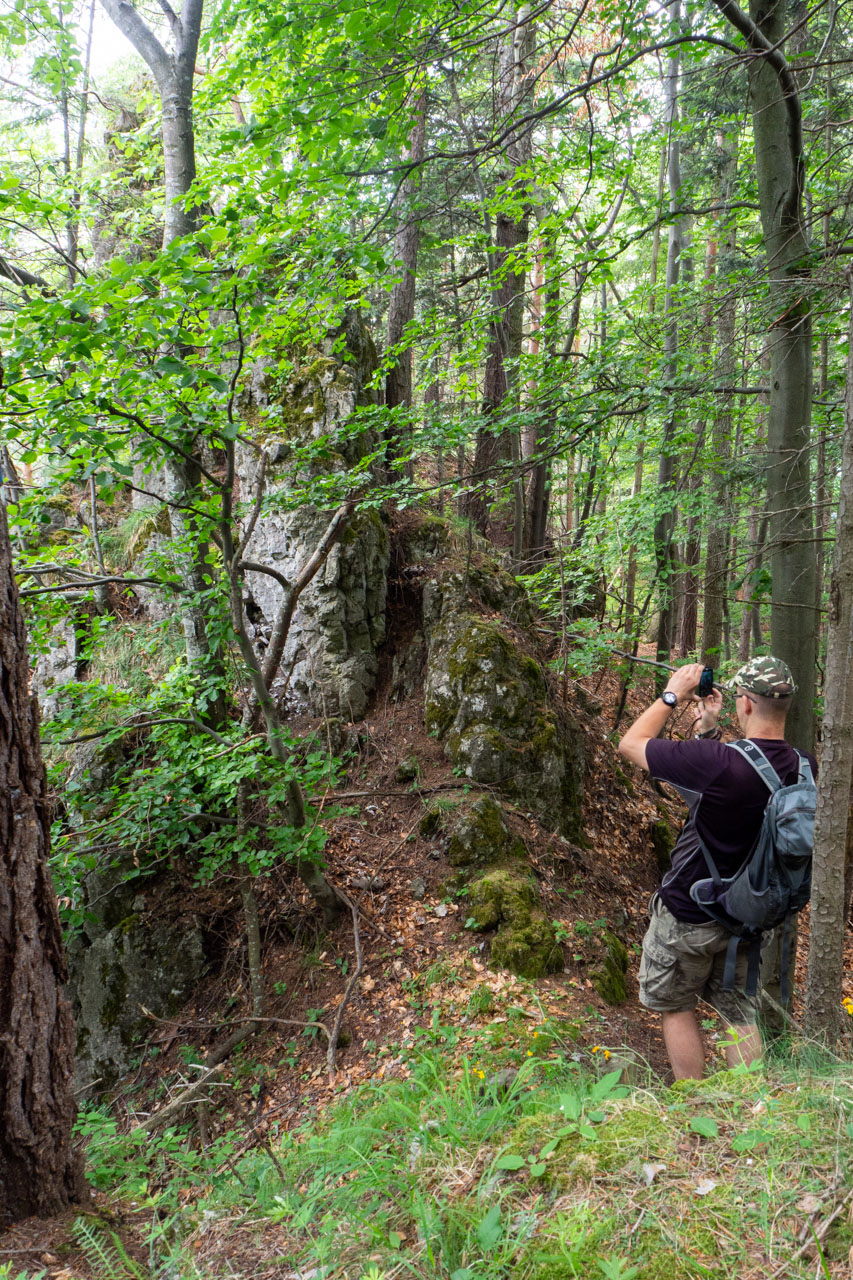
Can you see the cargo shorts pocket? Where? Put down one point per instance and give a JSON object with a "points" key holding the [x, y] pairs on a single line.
{"points": [[676, 964]]}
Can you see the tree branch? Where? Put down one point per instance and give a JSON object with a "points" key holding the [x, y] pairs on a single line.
{"points": [[131, 24], [335, 528], [24, 279], [359, 966]]}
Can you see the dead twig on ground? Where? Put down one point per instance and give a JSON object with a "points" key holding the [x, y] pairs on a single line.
{"points": [[397, 848], [359, 965], [818, 1234]]}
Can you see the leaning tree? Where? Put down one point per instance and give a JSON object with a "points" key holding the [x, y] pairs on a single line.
{"points": [[40, 1170]]}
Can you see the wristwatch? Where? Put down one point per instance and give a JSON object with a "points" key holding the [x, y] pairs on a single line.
{"points": [[670, 698], [716, 733]]}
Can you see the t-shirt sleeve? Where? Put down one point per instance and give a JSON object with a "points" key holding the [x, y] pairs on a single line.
{"points": [[691, 765]]}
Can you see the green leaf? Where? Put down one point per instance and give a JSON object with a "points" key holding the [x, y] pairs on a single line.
{"points": [[603, 1087], [570, 1105], [549, 1148], [587, 1131], [751, 1138], [510, 1162], [168, 364], [395, 1239], [706, 1126], [804, 1123], [597, 1117], [489, 1230], [536, 1170]]}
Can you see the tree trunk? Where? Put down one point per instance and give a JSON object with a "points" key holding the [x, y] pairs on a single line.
{"points": [[507, 280], [717, 545], [539, 491], [780, 170], [174, 76], [689, 613], [401, 305], [665, 524], [637, 488], [826, 935], [40, 1172]]}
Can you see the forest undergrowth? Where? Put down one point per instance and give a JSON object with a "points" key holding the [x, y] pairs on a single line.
{"points": [[477, 1126]]}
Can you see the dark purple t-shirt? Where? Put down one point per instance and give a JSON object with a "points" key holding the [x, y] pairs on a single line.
{"points": [[730, 813]]}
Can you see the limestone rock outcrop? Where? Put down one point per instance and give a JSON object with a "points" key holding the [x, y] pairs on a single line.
{"points": [[488, 700], [330, 663]]}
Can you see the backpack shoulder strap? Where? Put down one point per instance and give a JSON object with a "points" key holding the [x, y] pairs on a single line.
{"points": [[759, 762], [806, 774]]}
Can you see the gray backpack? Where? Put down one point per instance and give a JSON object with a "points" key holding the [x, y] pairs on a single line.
{"points": [[775, 880]]}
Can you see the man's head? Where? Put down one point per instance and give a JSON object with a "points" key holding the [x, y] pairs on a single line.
{"points": [[764, 689]]}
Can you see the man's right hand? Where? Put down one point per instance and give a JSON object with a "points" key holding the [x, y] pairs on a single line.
{"points": [[684, 681]]}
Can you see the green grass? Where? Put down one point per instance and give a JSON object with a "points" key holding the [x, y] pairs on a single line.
{"points": [[554, 1176]]}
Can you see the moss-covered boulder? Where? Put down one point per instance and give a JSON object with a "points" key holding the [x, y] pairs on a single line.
{"points": [[489, 701], [609, 978], [149, 961], [480, 838], [505, 899], [502, 894]]}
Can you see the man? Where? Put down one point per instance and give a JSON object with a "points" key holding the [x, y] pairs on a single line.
{"points": [[683, 951]]}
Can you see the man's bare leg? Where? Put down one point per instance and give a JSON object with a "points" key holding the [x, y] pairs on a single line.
{"points": [[683, 1041], [743, 1046]]}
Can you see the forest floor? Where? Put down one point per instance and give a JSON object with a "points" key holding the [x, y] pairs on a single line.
{"points": [[426, 984]]}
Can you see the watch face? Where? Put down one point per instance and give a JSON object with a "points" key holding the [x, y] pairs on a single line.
{"points": [[671, 699]]}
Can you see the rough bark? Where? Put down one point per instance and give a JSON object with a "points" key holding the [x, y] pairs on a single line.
{"points": [[719, 525], [780, 170], [539, 492], [40, 1171], [507, 277], [665, 523], [637, 488], [401, 305], [826, 931]]}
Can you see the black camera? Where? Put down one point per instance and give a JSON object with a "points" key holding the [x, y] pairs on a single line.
{"points": [[706, 682]]}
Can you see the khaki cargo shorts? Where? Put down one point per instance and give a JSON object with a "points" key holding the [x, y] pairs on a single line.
{"points": [[683, 963]]}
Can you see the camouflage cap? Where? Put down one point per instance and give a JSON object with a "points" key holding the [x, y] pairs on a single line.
{"points": [[765, 677]]}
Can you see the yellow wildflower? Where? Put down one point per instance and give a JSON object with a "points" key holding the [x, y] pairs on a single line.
{"points": [[596, 1048], [606, 1054]]}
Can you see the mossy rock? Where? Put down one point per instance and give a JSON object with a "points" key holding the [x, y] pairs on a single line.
{"points": [[481, 838], [504, 899], [429, 539], [663, 841], [489, 702], [609, 979], [408, 769], [317, 395], [430, 822]]}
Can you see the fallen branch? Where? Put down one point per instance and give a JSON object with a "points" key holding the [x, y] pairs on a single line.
{"points": [[359, 965], [334, 796], [198, 1091]]}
